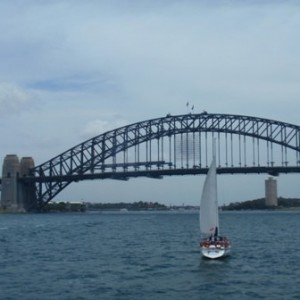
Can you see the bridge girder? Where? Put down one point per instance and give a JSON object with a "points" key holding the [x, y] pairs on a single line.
{"points": [[168, 146]]}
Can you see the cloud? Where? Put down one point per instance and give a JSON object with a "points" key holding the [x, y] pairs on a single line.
{"points": [[14, 99], [150, 52], [97, 127]]}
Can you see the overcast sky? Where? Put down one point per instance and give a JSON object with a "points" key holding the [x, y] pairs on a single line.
{"points": [[70, 70]]}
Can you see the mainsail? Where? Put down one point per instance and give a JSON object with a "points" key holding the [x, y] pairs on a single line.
{"points": [[209, 216]]}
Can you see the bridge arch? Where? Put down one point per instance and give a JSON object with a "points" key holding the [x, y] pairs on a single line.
{"points": [[173, 145]]}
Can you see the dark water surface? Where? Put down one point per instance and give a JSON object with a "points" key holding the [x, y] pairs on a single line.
{"points": [[147, 256]]}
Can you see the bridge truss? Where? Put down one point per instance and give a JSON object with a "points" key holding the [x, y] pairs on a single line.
{"points": [[173, 145]]}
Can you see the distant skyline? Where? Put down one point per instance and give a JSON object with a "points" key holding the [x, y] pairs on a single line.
{"points": [[70, 70]]}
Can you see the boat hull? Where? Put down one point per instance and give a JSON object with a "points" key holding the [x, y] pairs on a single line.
{"points": [[214, 252]]}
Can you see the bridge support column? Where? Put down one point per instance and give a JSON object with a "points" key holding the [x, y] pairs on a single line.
{"points": [[271, 192], [9, 194], [26, 190], [16, 195]]}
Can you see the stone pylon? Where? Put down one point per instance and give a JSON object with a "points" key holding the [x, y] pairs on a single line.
{"points": [[16, 195]]}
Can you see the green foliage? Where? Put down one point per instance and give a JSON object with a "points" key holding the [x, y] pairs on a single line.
{"points": [[130, 206], [260, 204], [64, 207], [80, 207]]}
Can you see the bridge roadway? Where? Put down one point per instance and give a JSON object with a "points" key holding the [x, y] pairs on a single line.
{"points": [[160, 173]]}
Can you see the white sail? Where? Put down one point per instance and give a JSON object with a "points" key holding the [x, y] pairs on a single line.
{"points": [[212, 244], [209, 216]]}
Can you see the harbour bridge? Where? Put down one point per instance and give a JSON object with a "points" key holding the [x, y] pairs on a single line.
{"points": [[170, 145]]}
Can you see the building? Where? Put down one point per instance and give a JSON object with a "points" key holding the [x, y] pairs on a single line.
{"points": [[271, 199]]}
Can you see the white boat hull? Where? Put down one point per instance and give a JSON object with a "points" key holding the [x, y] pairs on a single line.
{"points": [[214, 252]]}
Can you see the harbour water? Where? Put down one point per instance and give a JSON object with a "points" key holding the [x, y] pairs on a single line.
{"points": [[147, 255]]}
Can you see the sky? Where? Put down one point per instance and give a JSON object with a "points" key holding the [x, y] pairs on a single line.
{"points": [[73, 69]]}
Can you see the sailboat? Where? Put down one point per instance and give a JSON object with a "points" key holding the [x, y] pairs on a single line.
{"points": [[212, 244]]}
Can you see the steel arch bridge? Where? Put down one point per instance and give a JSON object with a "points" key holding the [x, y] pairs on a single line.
{"points": [[172, 145]]}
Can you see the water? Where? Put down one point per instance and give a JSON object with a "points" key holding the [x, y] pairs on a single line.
{"points": [[147, 256]]}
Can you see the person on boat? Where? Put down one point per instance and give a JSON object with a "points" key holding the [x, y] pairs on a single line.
{"points": [[216, 232]]}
